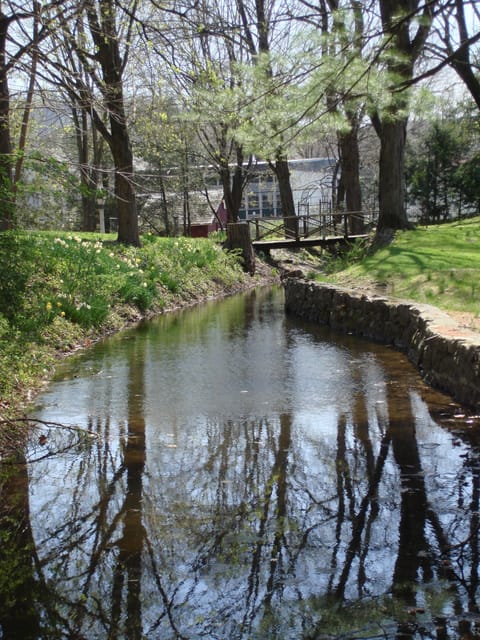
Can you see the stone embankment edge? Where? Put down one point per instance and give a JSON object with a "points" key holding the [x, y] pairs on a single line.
{"points": [[447, 355]]}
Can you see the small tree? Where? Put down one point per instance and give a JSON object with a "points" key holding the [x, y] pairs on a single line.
{"points": [[467, 178], [167, 144], [431, 168]]}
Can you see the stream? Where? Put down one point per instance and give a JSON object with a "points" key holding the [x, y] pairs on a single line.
{"points": [[228, 472]]}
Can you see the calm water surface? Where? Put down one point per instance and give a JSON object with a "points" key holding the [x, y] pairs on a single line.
{"points": [[244, 476]]}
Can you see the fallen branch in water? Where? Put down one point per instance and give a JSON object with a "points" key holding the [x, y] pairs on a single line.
{"points": [[36, 422], [13, 438]]}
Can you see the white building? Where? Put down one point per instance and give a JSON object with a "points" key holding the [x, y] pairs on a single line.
{"points": [[311, 180]]}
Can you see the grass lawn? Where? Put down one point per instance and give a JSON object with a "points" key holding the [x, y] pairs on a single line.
{"points": [[439, 265]]}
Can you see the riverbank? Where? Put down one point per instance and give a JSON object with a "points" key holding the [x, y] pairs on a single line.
{"points": [[437, 265], [62, 292], [447, 356], [418, 294]]}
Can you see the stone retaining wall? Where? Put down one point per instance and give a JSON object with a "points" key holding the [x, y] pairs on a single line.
{"points": [[447, 356]]}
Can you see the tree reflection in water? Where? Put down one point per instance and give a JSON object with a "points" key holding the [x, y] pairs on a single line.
{"points": [[310, 495]]}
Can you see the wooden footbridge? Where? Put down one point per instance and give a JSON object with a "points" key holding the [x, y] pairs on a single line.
{"points": [[309, 230]]}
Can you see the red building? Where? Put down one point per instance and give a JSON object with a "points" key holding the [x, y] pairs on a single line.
{"points": [[200, 228]]}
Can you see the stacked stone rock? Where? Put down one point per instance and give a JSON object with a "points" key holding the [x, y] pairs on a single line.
{"points": [[447, 355]]}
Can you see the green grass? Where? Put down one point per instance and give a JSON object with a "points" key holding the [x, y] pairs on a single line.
{"points": [[59, 289], [439, 265]]}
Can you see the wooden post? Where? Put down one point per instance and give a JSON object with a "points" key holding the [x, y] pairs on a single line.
{"points": [[101, 214], [238, 237]]}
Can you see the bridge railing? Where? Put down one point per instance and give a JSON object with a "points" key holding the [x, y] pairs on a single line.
{"points": [[323, 225]]}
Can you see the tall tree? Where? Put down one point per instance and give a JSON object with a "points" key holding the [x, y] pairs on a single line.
{"points": [[202, 53], [342, 27], [258, 21], [101, 36], [215, 76], [405, 26], [14, 49]]}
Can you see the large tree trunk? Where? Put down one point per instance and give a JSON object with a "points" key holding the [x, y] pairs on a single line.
{"points": [[238, 237], [391, 190], [238, 182], [232, 191], [125, 188], [123, 159], [350, 163], [233, 185], [89, 211]]}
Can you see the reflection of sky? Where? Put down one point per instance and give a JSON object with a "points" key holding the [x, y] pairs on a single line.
{"points": [[216, 393], [90, 395], [443, 465]]}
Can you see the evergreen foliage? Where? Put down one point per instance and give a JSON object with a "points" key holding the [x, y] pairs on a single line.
{"points": [[443, 170]]}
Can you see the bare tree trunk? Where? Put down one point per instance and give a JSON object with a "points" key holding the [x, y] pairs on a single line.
{"points": [[124, 186], [186, 197], [164, 205], [238, 237], [391, 190], [282, 173], [350, 179], [226, 180], [89, 212], [233, 186], [7, 206]]}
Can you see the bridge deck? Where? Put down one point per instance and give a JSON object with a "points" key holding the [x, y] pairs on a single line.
{"points": [[286, 243], [308, 230]]}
